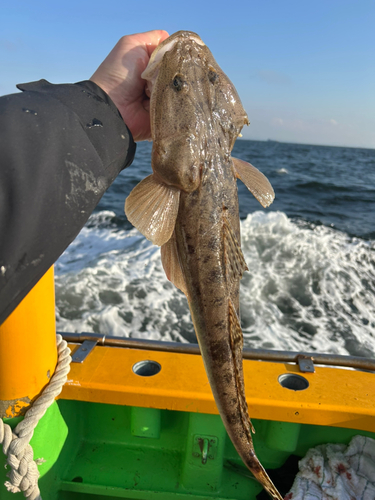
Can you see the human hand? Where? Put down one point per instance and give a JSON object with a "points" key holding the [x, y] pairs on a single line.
{"points": [[119, 76]]}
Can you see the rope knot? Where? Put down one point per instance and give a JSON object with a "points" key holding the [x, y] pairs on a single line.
{"points": [[24, 474]]}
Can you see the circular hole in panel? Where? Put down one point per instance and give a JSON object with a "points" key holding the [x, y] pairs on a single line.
{"points": [[146, 368], [293, 382]]}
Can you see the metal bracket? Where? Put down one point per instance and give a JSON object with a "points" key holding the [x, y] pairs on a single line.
{"points": [[205, 447], [83, 351], [306, 364]]}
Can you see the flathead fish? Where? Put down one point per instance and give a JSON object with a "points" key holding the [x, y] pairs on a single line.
{"points": [[189, 207]]}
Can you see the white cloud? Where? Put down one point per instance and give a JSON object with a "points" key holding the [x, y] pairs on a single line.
{"points": [[291, 125], [277, 121]]}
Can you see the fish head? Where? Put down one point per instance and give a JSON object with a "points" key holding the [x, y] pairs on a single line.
{"points": [[193, 106], [151, 72]]}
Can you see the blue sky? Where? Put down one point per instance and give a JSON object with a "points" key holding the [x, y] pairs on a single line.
{"points": [[305, 70]]}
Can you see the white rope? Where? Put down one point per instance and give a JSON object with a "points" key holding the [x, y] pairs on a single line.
{"points": [[24, 473]]}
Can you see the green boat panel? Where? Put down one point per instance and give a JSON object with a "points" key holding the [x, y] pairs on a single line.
{"points": [[99, 451]]}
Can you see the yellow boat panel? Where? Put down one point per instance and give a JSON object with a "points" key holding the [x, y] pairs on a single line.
{"points": [[28, 351], [335, 397]]}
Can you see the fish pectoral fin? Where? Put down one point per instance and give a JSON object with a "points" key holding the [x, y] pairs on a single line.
{"points": [[171, 264], [256, 182], [236, 344], [235, 263], [152, 208]]}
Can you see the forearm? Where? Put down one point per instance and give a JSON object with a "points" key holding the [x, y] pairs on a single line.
{"points": [[61, 147]]}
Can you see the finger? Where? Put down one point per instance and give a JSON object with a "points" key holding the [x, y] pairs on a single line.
{"points": [[156, 37], [149, 39]]}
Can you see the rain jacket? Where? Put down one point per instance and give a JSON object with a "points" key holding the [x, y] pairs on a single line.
{"points": [[61, 147]]}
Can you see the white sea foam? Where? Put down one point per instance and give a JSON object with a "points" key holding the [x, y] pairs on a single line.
{"points": [[112, 282], [309, 288]]}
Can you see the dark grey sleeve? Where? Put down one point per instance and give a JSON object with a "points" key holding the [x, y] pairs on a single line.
{"points": [[61, 147]]}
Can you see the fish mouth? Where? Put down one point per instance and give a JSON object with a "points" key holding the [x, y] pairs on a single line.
{"points": [[150, 73]]}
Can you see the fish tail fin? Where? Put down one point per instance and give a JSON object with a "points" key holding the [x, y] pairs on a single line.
{"points": [[261, 475], [252, 461]]}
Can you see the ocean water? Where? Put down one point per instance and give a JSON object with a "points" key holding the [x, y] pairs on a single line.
{"points": [[311, 256]]}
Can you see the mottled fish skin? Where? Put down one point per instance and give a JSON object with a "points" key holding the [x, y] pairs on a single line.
{"points": [[196, 116]]}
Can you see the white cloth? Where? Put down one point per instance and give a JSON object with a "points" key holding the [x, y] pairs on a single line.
{"points": [[337, 472]]}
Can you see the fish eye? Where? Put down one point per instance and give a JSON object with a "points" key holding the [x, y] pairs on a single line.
{"points": [[213, 76], [178, 83]]}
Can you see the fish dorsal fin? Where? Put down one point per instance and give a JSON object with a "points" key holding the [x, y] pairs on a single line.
{"points": [[171, 264], [256, 182], [152, 208], [236, 344], [233, 257]]}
